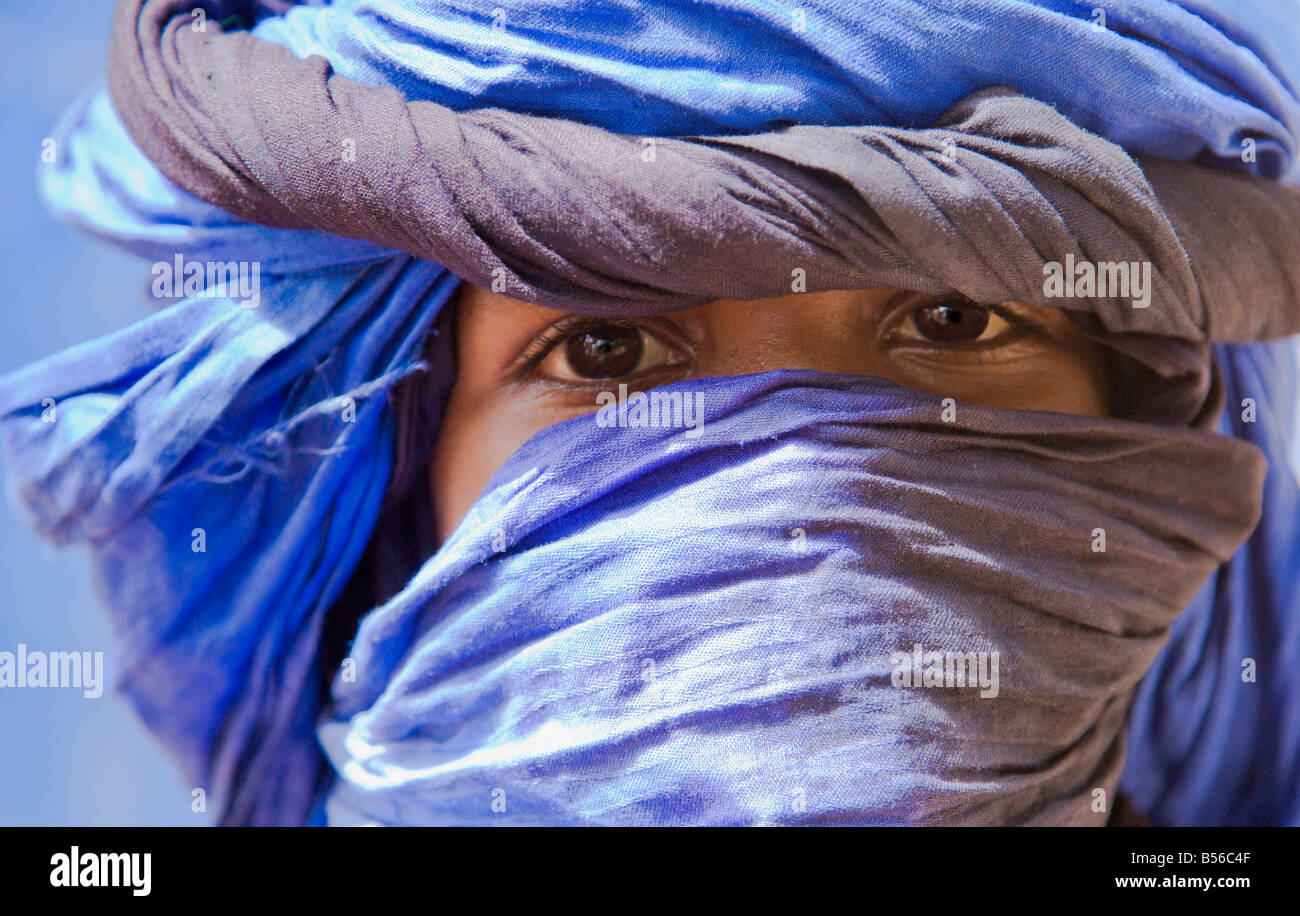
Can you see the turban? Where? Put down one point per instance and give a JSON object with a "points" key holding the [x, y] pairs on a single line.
{"points": [[620, 630]]}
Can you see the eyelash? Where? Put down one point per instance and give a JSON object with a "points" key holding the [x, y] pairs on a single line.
{"points": [[1018, 323], [557, 333], [541, 347]]}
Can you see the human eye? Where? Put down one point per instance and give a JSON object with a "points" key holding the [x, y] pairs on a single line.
{"points": [[581, 349], [957, 323]]}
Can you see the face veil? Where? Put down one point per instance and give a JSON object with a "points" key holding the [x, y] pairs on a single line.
{"points": [[646, 640], [633, 626]]}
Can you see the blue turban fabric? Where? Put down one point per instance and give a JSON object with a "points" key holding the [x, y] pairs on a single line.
{"points": [[216, 418]]}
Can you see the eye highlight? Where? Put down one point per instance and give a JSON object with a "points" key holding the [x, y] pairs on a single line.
{"points": [[947, 322], [607, 351]]}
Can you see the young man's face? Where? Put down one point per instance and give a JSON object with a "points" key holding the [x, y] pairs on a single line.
{"points": [[521, 367]]}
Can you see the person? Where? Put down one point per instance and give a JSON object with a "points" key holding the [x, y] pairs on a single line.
{"points": [[616, 439], [522, 367]]}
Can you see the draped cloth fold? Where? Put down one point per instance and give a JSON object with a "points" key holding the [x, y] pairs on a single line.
{"points": [[635, 627], [522, 667], [1004, 182]]}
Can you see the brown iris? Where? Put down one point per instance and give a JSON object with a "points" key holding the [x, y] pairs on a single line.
{"points": [[951, 320], [605, 351]]}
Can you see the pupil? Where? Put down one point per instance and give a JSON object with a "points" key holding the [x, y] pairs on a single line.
{"points": [[951, 322], [607, 351]]}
